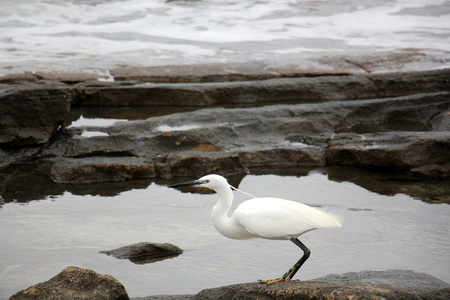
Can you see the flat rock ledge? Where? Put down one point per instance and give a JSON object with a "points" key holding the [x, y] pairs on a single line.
{"points": [[361, 111]]}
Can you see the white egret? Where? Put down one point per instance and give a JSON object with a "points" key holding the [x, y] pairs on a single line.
{"points": [[266, 218]]}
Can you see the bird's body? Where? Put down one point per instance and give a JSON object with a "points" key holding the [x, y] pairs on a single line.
{"points": [[267, 218], [278, 219]]}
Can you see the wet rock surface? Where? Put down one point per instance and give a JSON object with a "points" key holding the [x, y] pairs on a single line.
{"points": [[390, 284], [75, 283], [392, 133], [144, 252], [369, 111]]}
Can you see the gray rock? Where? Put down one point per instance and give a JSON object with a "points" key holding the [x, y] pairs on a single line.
{"points": [[268, 91], [310, 66], [314, 130], [32, 114], [144, 252], [370, 133], [390, 284], [405, 279], [100, 169], [75, 283], [424, 153]]}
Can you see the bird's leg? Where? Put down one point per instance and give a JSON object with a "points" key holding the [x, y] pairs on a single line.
{"points": [[292, 271], [306, 254]]}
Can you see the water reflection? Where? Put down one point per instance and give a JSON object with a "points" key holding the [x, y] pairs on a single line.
{"points": [[24, 183]]}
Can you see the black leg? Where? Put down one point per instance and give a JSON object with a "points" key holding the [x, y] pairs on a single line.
{"points": [[306, 254], [291, 272]]}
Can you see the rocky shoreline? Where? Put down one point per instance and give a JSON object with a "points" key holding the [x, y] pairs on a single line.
{"points": [[254, 118], [78, 283]]}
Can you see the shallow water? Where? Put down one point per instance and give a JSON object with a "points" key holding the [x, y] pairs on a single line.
{"points": [[95, 36], [40, 238]]}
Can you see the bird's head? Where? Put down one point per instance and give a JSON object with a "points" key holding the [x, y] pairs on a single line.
{"points": [[211, 181]]}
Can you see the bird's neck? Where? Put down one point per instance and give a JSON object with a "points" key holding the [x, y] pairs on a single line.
{"points": [[224, 203]]}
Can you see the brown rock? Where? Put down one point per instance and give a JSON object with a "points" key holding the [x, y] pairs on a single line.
{"points": [[75, 283]]}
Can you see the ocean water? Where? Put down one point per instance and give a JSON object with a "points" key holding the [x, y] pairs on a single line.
{"points": [[99, 35], [68, 227]]}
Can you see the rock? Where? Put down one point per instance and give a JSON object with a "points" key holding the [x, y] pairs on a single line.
{"points": [[405, 279], [144, 252], [441, 122], [268, 91], [31, 114], [298, 290], [314, 130], [390, 284], [18, 78], [69, 78], [197, 164], [368, 133], [424, 153], [165, 297], [310, 66], [98, 169], [75, 283]]}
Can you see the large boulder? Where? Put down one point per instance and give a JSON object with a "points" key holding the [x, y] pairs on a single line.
{"points": [[74, 283]]}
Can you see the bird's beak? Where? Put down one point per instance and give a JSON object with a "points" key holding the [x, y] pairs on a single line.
{"points": [[189, 183]]}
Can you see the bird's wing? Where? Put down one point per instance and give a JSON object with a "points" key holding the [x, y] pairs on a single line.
{"points": [[274, 218]]}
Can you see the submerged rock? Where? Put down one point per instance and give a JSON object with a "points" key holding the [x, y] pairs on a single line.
{"points": [[144, 252], [75, 283]]}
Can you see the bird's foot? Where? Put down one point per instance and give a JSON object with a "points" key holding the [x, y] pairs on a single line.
{"points": [[272, 281]]}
